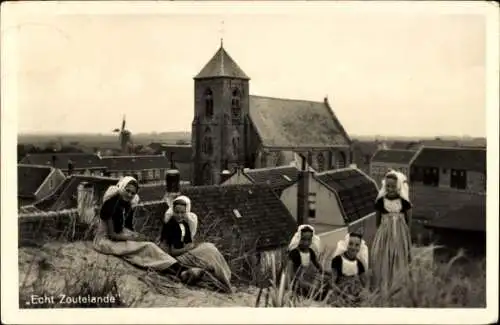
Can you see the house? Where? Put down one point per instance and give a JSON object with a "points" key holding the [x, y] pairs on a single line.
{"points": [[344, 198], [35, 182], [462, 228], [442, 179], [456, 168], [385, 159], [344, 203], [146, 168], [68, 163], [233, 129], [65, 196]]}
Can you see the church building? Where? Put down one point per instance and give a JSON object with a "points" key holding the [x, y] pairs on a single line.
{"points": [[232, 129]]}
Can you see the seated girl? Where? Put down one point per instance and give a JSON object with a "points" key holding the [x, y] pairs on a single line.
{"points": [[177, 238], [116, 236], [303, 267], [349, 266]]}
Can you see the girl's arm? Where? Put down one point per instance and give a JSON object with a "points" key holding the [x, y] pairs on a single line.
{"points": [[408, 217], [114, 235], [179, 251], [378, 218]]}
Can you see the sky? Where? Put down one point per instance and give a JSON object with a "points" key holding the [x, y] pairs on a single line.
{"points": [[408, 74]]}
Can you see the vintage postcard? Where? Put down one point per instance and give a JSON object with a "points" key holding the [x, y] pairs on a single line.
{"points": [[210, 162]]}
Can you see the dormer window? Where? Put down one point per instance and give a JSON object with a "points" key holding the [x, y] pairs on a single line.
{"points": [[236, 103], [209, 103]]}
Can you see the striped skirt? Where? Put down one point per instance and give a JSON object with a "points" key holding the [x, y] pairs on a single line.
{"points": [[390, 253]]}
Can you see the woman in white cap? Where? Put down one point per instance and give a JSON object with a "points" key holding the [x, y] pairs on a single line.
{"points": [[392, 243], [178, 239], [303, 266], [116, 236]]}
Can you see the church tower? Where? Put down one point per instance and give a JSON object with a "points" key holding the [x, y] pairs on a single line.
{"points": [[219, 135]]}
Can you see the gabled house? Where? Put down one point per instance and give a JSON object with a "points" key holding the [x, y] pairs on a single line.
{"points": [[68, 163], [385, 159], [147, 168], [35, 182]]}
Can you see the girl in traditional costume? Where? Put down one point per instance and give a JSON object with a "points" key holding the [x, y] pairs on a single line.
{"points": [[349, 266], [116, 236], [178, 239], [304, 269], [392, 243]]}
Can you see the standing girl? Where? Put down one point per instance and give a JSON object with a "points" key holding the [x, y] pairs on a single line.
{"points": [[392, 243]]}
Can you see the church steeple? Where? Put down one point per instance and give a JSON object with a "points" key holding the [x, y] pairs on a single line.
{"points": [[221, 65]]}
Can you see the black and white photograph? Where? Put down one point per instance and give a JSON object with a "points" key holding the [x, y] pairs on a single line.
{"points": [[339, 156]]}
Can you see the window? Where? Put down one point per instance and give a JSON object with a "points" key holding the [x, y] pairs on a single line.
{"points": [[209, 103], [458, 179], [287, 178], [207, 146], [321, 162], [151, 174], [236, 103], [157, 173], [340, 163], [312, 205], [431, 176], [207, 174], [263, 159], [51, 183], [236, 144]]}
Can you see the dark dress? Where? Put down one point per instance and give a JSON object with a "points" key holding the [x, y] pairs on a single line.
{"points": [[350, 285], [307, 277], [120, 212], [171, 234]]}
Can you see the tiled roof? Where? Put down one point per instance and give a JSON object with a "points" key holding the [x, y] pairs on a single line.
{"points": [[221, 65], [133, 163], [393, 156], [292, 123], [65, 196], [265, 222], [455, 158], [470, 217], [278, 178], [30, 178], [80, 160], [355, 190]]}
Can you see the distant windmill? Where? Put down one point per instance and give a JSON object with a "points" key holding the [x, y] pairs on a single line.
{"points": [[125, 137]]}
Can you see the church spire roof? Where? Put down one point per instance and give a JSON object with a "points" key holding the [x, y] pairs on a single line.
{"points": [[221, 65]]}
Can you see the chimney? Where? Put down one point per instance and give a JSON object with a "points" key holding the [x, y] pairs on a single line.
{"points": [[85, 203], [172, 163], [71, 167], [303, 205], [173, 181], [54, 159], [224, 175]]}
